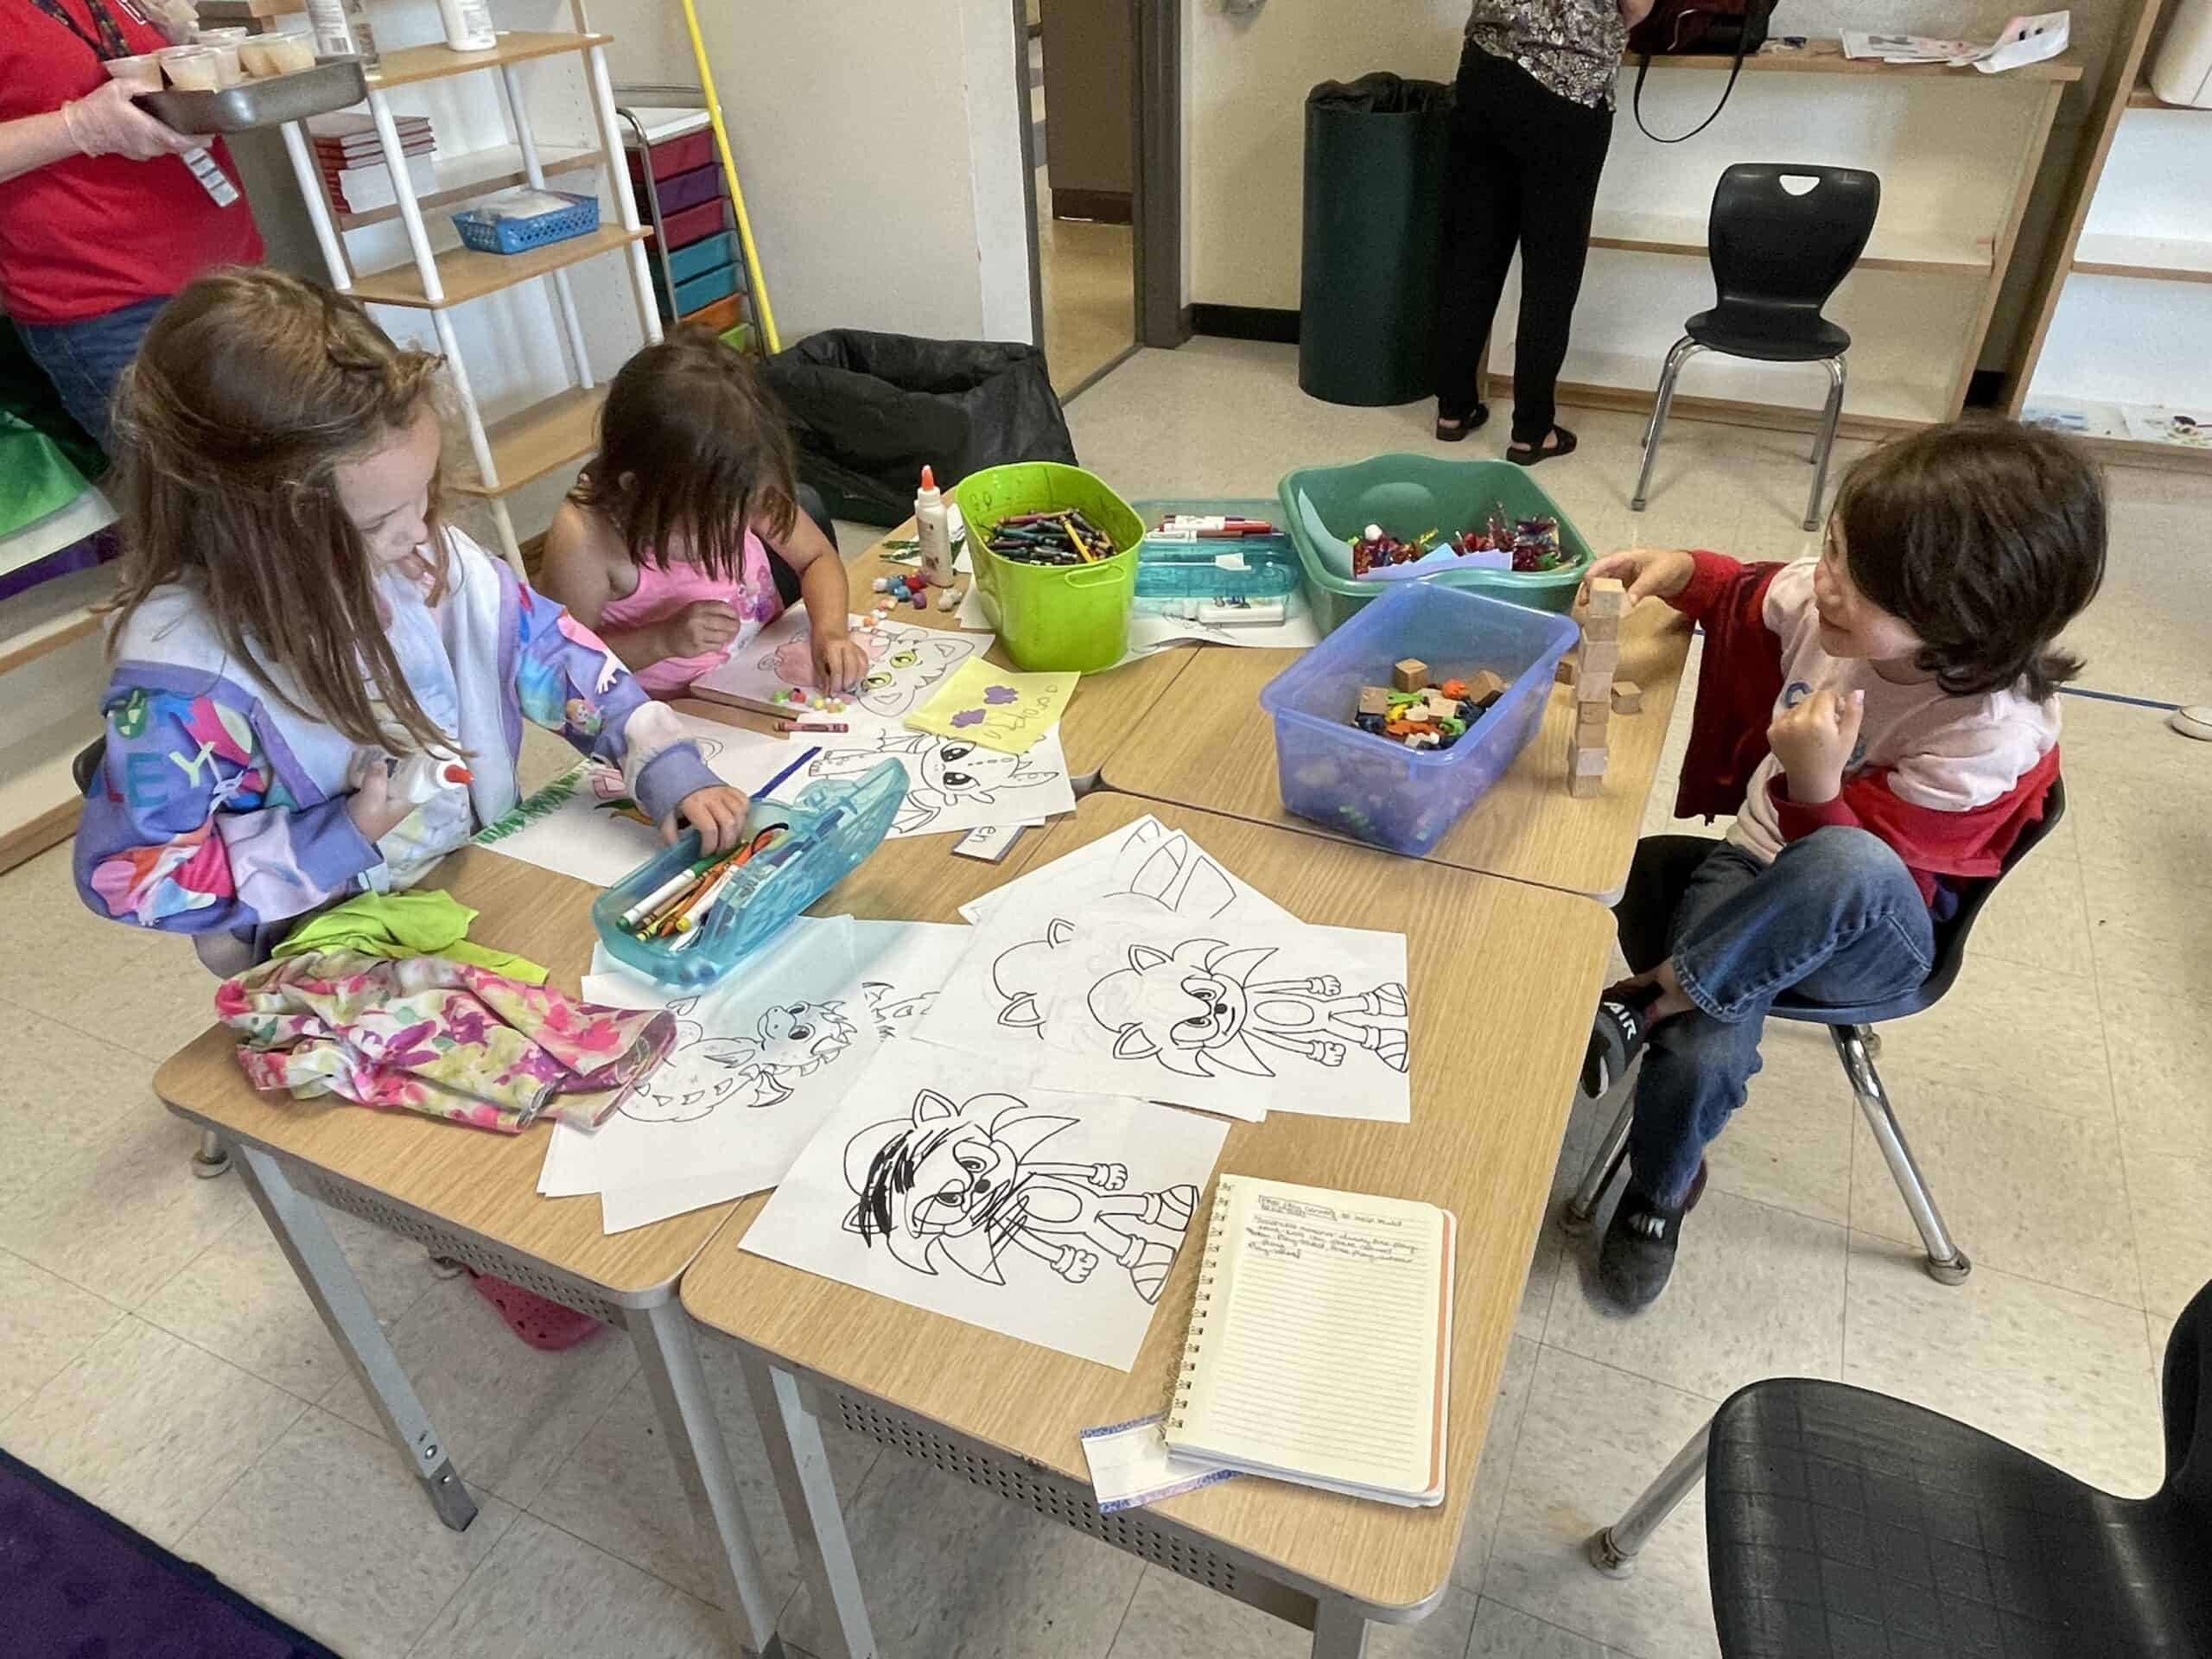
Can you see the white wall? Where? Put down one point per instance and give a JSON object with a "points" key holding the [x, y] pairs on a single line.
{"points": [[877, 143], [1246, 78]]}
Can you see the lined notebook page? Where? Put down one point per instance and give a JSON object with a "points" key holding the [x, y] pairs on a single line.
{"points": [[1322, 1351]]}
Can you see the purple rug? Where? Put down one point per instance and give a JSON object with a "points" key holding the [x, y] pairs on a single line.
{"points": [[78, 1584]]}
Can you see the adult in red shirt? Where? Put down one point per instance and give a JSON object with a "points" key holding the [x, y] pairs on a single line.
{"points": [[100, 220]]}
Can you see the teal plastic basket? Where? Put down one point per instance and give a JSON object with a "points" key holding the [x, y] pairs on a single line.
{"points": [[1324, 507]]}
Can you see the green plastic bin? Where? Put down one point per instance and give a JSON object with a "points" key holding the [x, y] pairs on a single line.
{"points": [[1054, 619], [1324, 507]]}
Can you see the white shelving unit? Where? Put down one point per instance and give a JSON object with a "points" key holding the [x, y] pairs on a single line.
{"points": [[1957, 153], [52, 666], [534, 440], [2118, 353]]}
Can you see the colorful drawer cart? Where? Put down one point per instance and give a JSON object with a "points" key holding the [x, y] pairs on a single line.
{"points": [[698, 268]]}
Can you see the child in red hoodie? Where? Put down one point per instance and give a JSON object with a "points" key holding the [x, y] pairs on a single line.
{"points": [[1884, 721]]}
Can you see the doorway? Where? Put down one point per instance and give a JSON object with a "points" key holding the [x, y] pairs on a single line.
{"points": [[1103, 139]]}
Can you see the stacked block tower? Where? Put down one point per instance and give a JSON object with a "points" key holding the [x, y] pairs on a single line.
{"points": [[1595, 660]]}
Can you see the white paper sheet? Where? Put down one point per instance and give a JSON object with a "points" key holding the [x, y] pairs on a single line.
{"points": [[951, 786], [1144, 870], [1150, 632], [917, 661], [1067, 1214], [902, 966], [761, 1058], [580, 825], [1238, 1017]]}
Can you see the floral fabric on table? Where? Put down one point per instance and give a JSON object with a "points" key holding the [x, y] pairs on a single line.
{"points": [[431, 1035]]}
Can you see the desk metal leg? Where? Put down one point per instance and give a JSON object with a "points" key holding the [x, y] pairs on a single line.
{"points": [[1338, 1632], [663, 1338], [328, 1279], [810, 1505]]}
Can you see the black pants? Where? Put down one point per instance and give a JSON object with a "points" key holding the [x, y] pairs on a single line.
{"points": [[1523, 173]]}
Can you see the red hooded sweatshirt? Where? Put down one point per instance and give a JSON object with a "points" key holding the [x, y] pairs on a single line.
{"points": [[1947, 782]]}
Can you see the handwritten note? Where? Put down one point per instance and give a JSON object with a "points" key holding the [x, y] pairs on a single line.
{"points": [[995, 707]]}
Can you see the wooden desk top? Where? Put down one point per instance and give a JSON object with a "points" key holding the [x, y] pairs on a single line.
{"points": [[488, 1183], [1102, 712], [1499, 1031], [1205, 743]]}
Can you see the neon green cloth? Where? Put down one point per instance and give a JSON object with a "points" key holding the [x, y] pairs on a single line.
{"points": [[425, 924]]}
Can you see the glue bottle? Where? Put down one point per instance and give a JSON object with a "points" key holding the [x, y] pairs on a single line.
{"points": [[934, 531]]}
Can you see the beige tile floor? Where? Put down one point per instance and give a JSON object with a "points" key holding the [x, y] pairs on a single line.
{"points": [[1090, 287], [156, 1354]]}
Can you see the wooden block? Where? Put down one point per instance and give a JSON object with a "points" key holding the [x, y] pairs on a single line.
{"points": [[1566, 674], [1590, 729], [1581, 761], [1485, 689], [1608, 597], [1373, 700], [1628, 697], [1411, 674], [1598, 656], [1602, 628], [1583, 786], [1594, 689]]}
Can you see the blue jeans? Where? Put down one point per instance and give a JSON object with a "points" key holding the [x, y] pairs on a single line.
{"points": [[1836, 919], [85, 360]]}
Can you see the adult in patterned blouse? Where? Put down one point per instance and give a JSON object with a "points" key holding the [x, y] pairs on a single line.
{"points": [[100, 220], [1534, 115]]}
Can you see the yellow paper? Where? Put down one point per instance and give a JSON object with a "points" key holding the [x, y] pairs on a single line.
{"points": [[994, 707]]}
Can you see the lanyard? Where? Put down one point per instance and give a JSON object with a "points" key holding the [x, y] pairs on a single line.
{"points": [[111, 43]]}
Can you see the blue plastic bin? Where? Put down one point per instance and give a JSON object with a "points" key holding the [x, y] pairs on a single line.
{"points": [[1372, 788], [487, 234]]}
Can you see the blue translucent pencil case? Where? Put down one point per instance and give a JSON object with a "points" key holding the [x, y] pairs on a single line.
{"points": [[832, 827]]}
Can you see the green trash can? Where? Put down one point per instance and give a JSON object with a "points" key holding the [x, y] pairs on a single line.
{"points": [[1374, 164]]}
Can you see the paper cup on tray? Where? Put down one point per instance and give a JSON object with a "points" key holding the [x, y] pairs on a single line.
{"points": [[139, 74]]}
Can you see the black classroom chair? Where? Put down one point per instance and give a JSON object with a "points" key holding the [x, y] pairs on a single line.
{"points": [[1777, 255], [1656, 880], [1844, 1524]]}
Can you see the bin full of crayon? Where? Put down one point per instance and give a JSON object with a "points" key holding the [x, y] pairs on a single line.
{"points": [[1056, 564], [685, 918]]}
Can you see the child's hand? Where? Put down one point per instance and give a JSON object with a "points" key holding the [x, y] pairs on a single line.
{"points": [[1813, 742], [375, 811], [718, 813], [1650, 572], [704, 624], [839, 662]]}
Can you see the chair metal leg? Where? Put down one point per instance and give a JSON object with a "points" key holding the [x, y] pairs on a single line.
{"points": [[1946, 1263], [1612, 1152], [1681, 351], [1825, 442], [212, 1158], [1612, 1550]]}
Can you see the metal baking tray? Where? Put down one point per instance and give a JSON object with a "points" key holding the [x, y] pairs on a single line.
{"points": [[266, 101]]}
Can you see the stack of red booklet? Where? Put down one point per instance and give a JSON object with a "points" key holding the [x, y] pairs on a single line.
{"points": [[352, 164]]}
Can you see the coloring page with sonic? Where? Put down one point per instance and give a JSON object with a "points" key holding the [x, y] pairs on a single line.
{"points": [[1230, 1016], [955, 1184], [951, 786], [760, 1060], [906, 665], [902, 966], [1142, 871], [584, 823]]}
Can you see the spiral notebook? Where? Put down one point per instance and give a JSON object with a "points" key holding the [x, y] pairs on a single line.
{"points": [[1320, 1349]]}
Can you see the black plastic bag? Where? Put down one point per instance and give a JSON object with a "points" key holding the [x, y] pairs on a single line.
{"points": [[870, 411]]}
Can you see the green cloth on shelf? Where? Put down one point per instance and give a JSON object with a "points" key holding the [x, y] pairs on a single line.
{"points": [[36, 478], [428, 923]]}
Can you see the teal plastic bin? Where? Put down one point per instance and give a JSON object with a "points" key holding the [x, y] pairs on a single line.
{"points": [[1324, 507]]}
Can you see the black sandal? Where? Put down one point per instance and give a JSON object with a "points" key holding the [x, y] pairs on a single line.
{"points": [[1558, 441], [1461, 425]]}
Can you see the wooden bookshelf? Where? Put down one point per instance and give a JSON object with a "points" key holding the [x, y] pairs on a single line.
{"points": [[476, 173], [467, 274], [412, 64], [2160, 259], [532, 442], [1826, 58], [1891, 249], [52, 614]]}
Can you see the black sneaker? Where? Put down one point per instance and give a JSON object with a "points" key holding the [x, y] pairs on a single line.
{"points": [[1638, 1256], [1616, 1036]]}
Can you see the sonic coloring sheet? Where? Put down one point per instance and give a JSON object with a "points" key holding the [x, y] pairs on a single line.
{"points": [[759, 1061], [1228, 1016], [951, 784], [954, 1184], [1143, 871]]}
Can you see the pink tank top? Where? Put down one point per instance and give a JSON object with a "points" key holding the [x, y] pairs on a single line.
{"points": [[660, 593]]}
